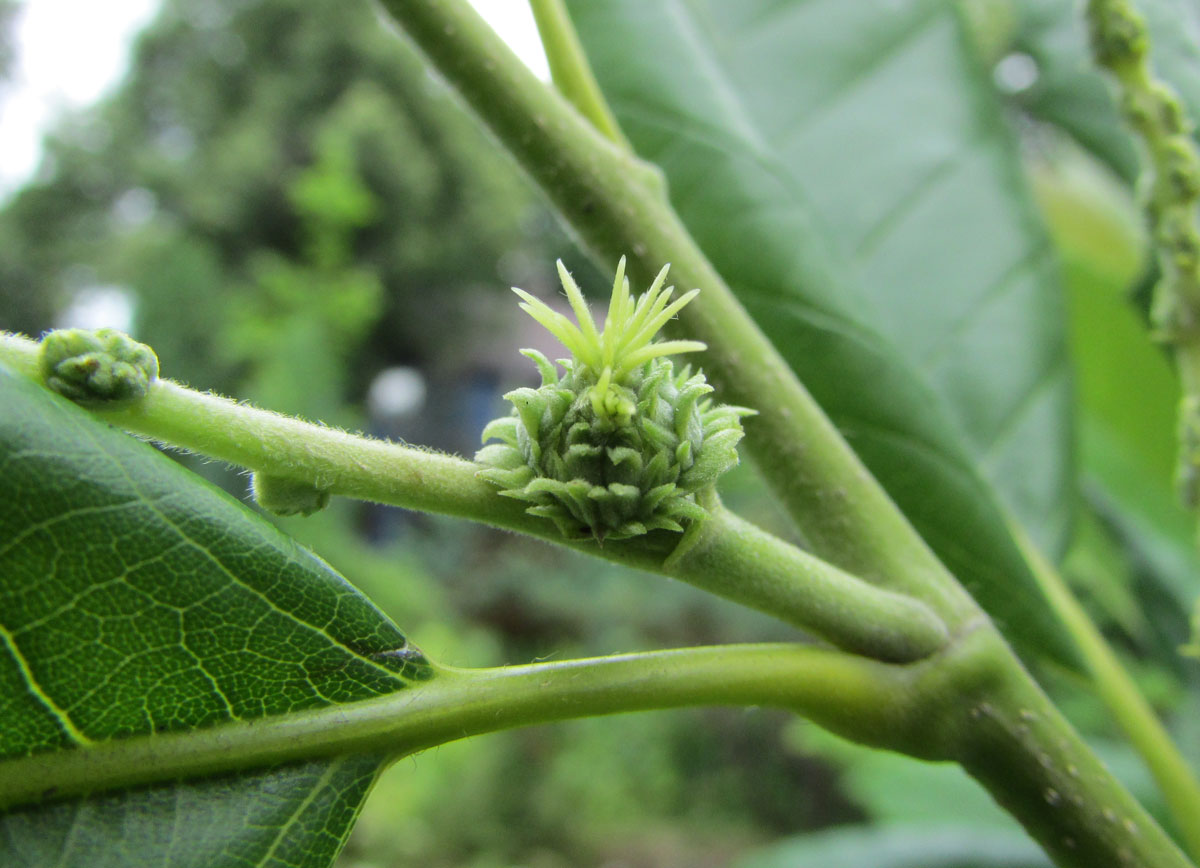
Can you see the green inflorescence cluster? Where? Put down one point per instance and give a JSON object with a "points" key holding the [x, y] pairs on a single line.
{"points": [[97, 367], [1121, 43], [619, 443]]}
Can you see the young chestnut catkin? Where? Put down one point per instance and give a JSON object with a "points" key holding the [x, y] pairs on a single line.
{"points": [[620, 443]]}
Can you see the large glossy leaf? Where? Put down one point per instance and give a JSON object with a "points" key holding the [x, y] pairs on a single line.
{"points": [[941, 358], [136, 599]]}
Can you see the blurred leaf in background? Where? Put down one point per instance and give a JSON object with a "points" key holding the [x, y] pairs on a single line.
{"points": [[298, 131]]}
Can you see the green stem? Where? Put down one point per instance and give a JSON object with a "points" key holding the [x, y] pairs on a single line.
{"points": [[1014, 741], [831, 686], [570, 70], [736, 560], [728, 556], [616, 204], [1125, 702]]}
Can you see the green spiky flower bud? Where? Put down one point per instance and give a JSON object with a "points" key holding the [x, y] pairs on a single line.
{"points": [[619, 443], [97, 367]]}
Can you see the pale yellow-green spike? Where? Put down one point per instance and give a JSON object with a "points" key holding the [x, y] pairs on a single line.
{"points": [[555, 323], [679, 304], [627, 313], [551, 319], [644, 310], [616, 311], [587, 325], [639, 312], [624, 311], [655, 323], [600, 390], [650, 324], [665, 348], [618, 284], [659, 279]]}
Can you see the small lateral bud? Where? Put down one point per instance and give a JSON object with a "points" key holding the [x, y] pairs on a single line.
{"points": [[283, 496], [97, 367]]}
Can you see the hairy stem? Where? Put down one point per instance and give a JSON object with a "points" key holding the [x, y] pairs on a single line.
{"points": [[615, 202], [570, 70], [459, 703], [728, 557]]}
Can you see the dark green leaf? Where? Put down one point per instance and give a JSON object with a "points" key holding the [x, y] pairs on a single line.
{"points": [[136, 599], [941, 355], [296, 816]]}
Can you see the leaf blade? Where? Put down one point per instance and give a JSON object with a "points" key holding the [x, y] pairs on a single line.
{"points": [[296, 815], [136, 599]]}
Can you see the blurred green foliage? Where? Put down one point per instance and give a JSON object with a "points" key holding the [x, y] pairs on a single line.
{"points": [[294, 205]]}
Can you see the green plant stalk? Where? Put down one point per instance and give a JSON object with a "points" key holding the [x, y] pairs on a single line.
{"points": [[1009, 736], [616, 203], [570, 70], [725, 555], [457, 703], [1125, 702]]}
